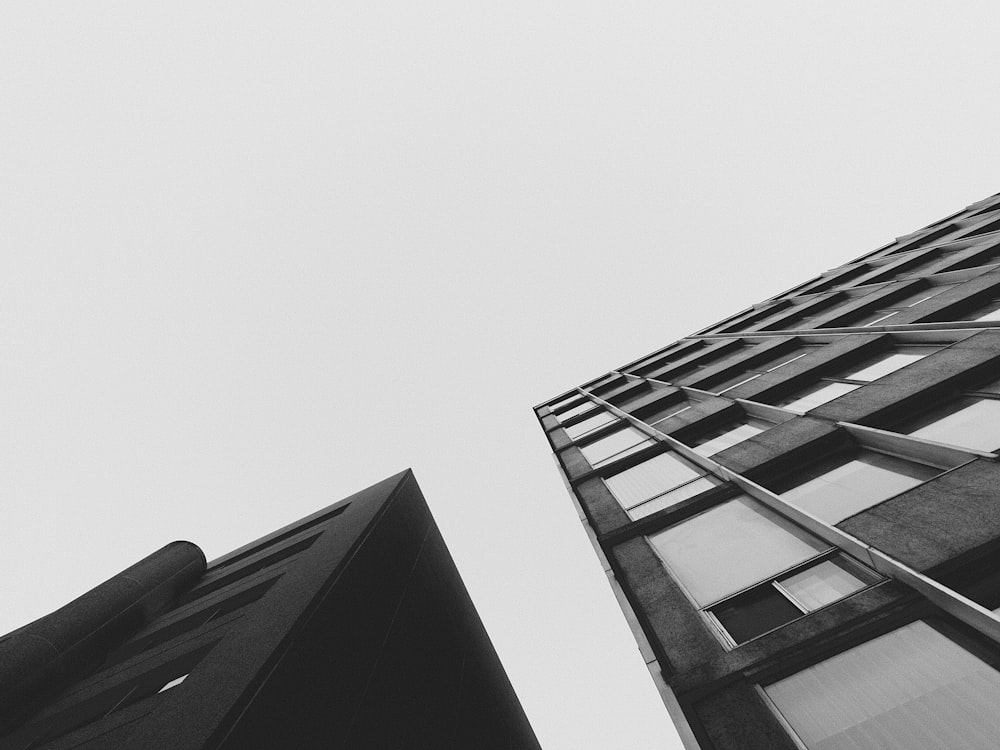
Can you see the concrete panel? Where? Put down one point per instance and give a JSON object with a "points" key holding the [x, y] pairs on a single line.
{"points": [[825, 360], [905, 392], [782, 448], [951, 515], [736, 718], [674, 627], [952, 303], [602, 509]]}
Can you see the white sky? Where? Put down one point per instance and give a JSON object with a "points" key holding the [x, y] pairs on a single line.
{"points": [[259, 256]]}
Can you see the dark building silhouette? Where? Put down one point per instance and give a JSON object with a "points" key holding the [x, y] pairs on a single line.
{"points": [[348, 629], [799, 506]]}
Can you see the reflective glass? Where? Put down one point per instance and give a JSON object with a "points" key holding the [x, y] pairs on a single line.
{"points": [[589, 424], [823, 583], [911, 688], [665, 414], [172, 684], [992, 314], [748, 615], [875, 318], [651, 478], [575, 411], [564, 402], [992, 387], [731, 547], [785, 359], [729, 436], [886, 363], [969, 423], [857, 484], [740, 379], [817, 395], [616, 445], [673, 497]]}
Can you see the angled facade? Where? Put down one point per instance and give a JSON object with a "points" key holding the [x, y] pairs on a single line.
{"points": [[350, 628], [798, 507]]}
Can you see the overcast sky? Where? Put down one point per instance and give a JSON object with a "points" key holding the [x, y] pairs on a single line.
{"points": [[258, 256]]}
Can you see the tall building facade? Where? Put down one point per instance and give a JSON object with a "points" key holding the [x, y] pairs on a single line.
{"points": [[798, 507], [350, 628]]}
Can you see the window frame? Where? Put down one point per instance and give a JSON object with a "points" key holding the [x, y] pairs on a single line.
{"points": [[944, 624], [702, 474], [829, 551], [833, 553], [804, 349], [853, 368], [973, 393]]}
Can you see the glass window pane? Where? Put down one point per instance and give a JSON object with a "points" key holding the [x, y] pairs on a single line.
{"points": [[651, 478], [993, 313], [758, 545], [673, 497], [992, 387], [911, 688], [732, 383], [729, 436], [857, 484], [668, 413], [969, 423], [784, 359], [658, 412], [589, 424], [564, 402], [914, 298], [875, 318], [933, 292], [576, 410], [761, 609], [817, 395], [824, 583], [886, 363]]}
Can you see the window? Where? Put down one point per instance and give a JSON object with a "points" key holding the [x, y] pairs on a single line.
{"points": [[173, 683], [834, 492], [630, 397], [658, 483], [969, 422], [217, 578], [590, 424], [563, 403], [648, 365], [887, 363], [49, 726], [882, 316], [732, 546], [829, 388], [991, 226], [989, 311], [725, 437], [769, 365], [575, 411], [617, 445], [751, 570], [817, 395], [668, 413], [912, 688], [786, 598], [161, 633], [927, 239], [808, 313], [663, 409]]}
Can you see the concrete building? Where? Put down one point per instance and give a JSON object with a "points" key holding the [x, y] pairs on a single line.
{"points": [[348, 629], [798, 507]]}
